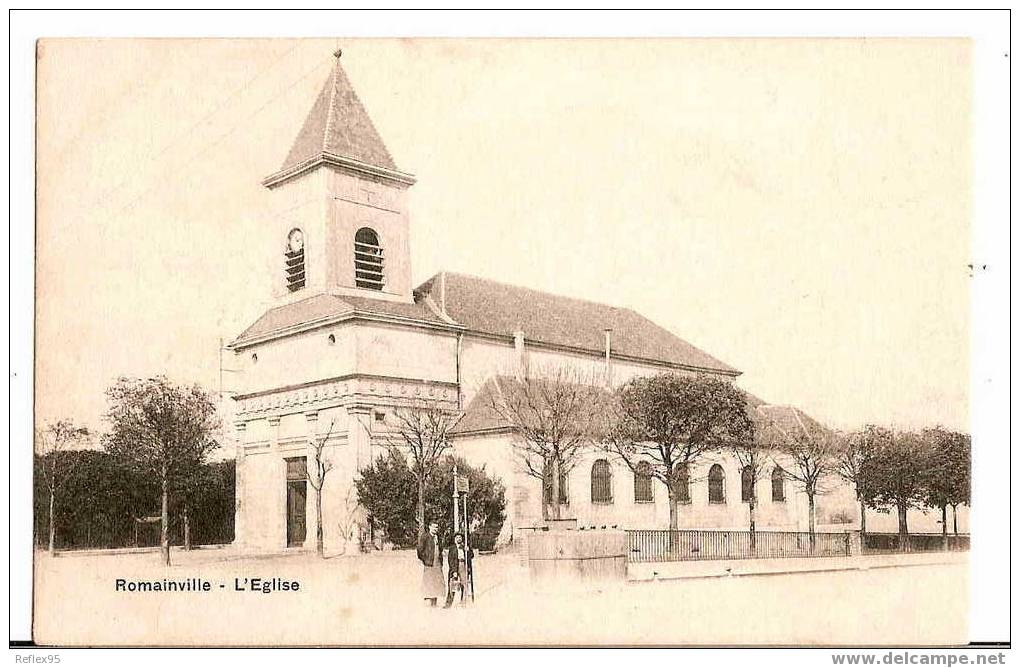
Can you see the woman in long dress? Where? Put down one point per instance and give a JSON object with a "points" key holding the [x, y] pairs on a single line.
{"points": [[432, 585]]}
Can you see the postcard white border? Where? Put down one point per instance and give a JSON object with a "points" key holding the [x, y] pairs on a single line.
{"points": [[990, 404]]}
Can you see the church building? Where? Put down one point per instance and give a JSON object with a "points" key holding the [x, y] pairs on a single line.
{"points": [[349, 339]]}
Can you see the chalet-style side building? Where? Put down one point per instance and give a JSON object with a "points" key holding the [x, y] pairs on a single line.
{"points": [[350, 339]]}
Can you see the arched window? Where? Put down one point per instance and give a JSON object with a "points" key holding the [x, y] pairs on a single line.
{"points": [[368, 260], [778, 484], [547, 485], [683, 484], [716, 484], [643, 483], [601, 482], [294, 260], [746, 484]]}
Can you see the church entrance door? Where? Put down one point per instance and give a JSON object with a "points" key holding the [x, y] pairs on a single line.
{"points": [[297, 494], [295, 513]]}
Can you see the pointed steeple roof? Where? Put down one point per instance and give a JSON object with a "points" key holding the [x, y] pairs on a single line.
{"points": [[338, 130]]}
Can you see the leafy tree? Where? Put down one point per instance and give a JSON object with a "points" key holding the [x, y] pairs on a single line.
{"points": [[486, 500], [99, 502], [948, 479], [898, 476], [96, 506], [811, 448], [205, 502], [162, 429], [386, 491], [671, 421], [853, 461], [554, 414], [53, 442], [423, 431]]}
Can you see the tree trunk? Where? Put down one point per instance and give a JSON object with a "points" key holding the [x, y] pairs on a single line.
{"points": [[320, 548], [420, 514], [556, 511], [956, 528], [811, 517], [904, 534], [750, 512], [187, 529], [945, 529], [53, 528], [674, 516], [864, 519], [164, 521]]}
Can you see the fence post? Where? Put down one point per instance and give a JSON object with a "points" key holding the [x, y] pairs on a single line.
{"points": [[854, 543]]}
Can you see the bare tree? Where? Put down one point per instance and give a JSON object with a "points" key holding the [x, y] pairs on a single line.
{"points": [[316, 476], [348, 522], [752, 454], [853, 461], [162, 429], [811, 447], [53, 444], [424, 430], [672, 421], [554, 412]]}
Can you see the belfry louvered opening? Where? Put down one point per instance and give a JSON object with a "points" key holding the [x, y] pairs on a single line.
{"points": [[294, 261], [369, 263]]}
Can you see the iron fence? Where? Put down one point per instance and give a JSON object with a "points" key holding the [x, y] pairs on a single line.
{"points": [[689, 545], [916, 542]]}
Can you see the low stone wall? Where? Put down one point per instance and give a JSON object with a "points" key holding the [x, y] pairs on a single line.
{"points": [[577, 555], [678, 570]]}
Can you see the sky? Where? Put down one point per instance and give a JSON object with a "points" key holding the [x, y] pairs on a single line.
{"points": [[800, 209]]}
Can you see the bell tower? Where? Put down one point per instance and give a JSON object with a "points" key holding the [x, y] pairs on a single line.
{"points": [[339, 212]]}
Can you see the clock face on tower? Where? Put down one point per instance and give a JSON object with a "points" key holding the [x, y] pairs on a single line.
{"points": [[295, 241]]}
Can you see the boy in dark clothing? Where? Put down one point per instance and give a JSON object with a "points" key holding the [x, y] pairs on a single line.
{"points": [[460, 562]]}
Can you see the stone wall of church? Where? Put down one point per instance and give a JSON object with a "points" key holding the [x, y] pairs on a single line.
{"points": [[351, 415], [355, 202], [402, 352], [297, 203], [294, 360], [627, 513], [376, 349], [264, 446], [524, 507], [496, 453]]}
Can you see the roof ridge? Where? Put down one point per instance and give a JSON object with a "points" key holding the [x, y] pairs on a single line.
{"points": [[308, 299], [493, 281], [330, 109]]}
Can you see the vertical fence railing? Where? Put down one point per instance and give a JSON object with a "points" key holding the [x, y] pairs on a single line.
{"points": [[916, 542], [647, 545]]}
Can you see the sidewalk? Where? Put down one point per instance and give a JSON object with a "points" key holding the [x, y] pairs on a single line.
{"points": [[376, 599], [677, 570]]}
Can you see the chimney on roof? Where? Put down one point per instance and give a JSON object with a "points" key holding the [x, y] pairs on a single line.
{"points": [[442, 293], [520, 365], [609, 362]]}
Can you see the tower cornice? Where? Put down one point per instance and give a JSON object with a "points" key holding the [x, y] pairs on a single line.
{"points": [[340, 162]]}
